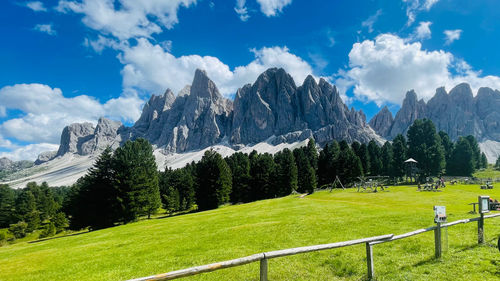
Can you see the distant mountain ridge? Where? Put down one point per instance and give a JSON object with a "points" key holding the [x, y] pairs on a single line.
{"points": [[199, 117], [458, 113]]}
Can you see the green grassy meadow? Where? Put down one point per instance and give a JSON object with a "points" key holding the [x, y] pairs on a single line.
{"points": [[164, 244]]}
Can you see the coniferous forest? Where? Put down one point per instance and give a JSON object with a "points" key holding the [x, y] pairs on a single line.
{"points": [[125, 185]]}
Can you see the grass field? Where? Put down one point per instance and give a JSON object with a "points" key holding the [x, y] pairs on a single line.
{"points": [[488, 173], [165, 244]]}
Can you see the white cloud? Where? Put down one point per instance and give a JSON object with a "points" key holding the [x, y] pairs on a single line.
{"points": [[242, 10], [384, 69], [150, 68], [369, 22], [452, 35], [36, 6], [45, 28], [413, 7], [46, 111], [423, 31], [29, 152], [126, 19], [272, 8]]}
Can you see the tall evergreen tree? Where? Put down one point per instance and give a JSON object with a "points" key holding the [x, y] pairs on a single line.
{"points": [[424, 145], [327, 168], [312, 154], [26, 209], [476, 152], [349, 166], [461, 161], [286, 172], [364, 157], [447, 145], [399, 150], [497, 163], [239, 163], [306, 174], [484, 161], [168, 193], [386, 158], [7, 205], [136, 180], [375, 161], [214, 181], [263, 178]]}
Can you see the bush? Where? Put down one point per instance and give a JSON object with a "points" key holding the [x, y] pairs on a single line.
{"points": [[18, 229], [2, 236], [49, 230]]}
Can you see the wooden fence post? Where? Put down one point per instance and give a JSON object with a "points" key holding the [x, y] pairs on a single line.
{"points": [[263, 269], [369, 261], [480, 229], [437, 240]]}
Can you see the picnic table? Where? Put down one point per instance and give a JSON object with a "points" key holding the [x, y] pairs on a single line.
{"points": [[473, 206]]}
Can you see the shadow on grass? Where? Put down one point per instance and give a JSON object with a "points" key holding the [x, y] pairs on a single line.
{"points": [[177, 214], [52, 238]]}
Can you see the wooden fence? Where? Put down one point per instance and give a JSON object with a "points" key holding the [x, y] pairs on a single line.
{"points": [[370, 242]]}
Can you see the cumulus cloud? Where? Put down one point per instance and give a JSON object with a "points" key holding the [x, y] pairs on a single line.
{"points": [[272, 8], [46, 111], [126, 18], [452, 35], [36, 6], [45, 28], [384, 69], [151, 68], [241, 10], [29, 152], [423, 31], [369, 22], [413, 7]]}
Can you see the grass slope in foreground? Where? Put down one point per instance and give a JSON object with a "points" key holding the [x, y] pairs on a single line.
{"points": [[161, 245]]}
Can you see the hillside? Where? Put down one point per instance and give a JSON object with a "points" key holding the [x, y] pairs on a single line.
{"points": [[164, 244]]}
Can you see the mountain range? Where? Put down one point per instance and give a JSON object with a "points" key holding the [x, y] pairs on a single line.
{"points": [[269, 114]]}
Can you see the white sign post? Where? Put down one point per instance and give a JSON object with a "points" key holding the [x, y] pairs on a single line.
{"points": [[439, 217], [484, 207]]}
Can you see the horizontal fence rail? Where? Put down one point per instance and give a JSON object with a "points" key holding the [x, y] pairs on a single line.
{"points": [[370, 242]]}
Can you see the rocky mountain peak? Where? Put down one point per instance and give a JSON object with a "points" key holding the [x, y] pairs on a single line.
{"points": [[73, 136], [382, 121]]}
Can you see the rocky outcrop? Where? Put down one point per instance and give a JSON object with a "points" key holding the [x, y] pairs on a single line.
{"points": [[382, 122], [458, 113], [45, 157], [73, 136], [9, 166]]}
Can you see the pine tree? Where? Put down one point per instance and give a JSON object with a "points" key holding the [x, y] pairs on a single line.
{"points": [[136, 180], [375, 161], [447, 145], [168, 193], [26, 210], [386, 158], [327, 167], [476, 152], [349, 166], [497, 163], [239, 163], [484, 161], [286, 172], [424, 145], [461, 161], [7, 205], [312, 154], [364, 157], [306, 175], [214, 181], [263, 178], [399, 151]]}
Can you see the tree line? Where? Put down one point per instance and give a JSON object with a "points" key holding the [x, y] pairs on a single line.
{"points": [[125, 185]]}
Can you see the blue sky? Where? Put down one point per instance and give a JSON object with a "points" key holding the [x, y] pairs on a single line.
{"points": [[65, 61]]}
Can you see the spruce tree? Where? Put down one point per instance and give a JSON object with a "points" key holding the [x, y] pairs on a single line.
{"points": [[136, 180], [349, 166], [476, 152], [306, 175], [168, 193], [399, 151], [214, 181], [327, 167], [239, 163], [375, 161], [312, 153], [7, 205], [462, 159], [424, 145], [484, 161], [447, 145], [497, 163], [263, 178], [386, 158], [364, 157], [286, 172]]}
